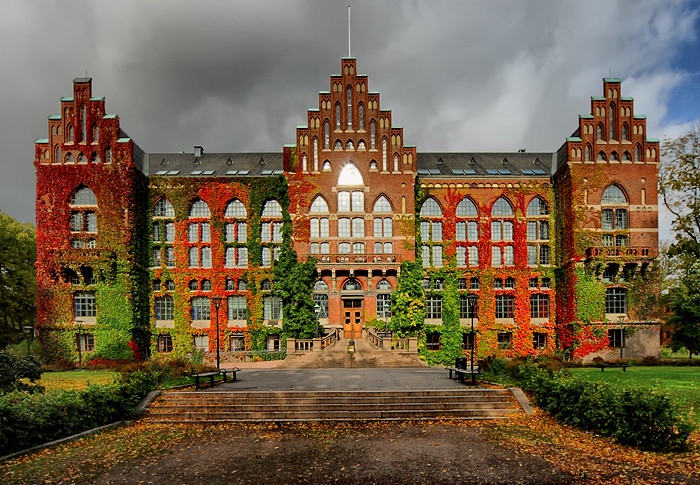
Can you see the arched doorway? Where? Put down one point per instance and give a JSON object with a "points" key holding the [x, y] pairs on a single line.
{"points": [[353, 319]]}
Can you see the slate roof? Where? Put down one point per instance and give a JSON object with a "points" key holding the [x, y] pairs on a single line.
{"points": [[519, 164], [260, 164]]}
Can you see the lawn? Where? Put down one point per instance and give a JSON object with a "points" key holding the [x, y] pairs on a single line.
{"points": [[76, 379], [681, 383]]}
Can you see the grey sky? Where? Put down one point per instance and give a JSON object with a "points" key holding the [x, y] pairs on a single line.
{"points": [[240, 75]]}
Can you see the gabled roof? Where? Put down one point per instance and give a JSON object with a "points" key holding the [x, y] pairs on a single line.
{"points": [[507, 165], [258, 164]]}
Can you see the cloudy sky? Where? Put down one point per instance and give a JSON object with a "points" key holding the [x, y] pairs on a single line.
{"points": [[239, 75]]}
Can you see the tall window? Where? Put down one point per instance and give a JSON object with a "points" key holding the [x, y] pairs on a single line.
{"points": [[164, 308], [236, 308], [383, 299], [373, 135], [337, 116], [201, 308], [539, 305], [504, 305], [272, 308], [83, 218], [326, 135], [502, 224], [616, 300], [614, 216], [84, 304], [538, 251], [433, 307], [361, 109]]}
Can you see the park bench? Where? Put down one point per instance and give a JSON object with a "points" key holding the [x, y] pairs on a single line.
{"points": [[212, 374], [604, 366], [463, 368]]}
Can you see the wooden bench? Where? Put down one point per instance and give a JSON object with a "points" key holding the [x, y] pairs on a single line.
{"points": [[210, 375], [604, 366]]}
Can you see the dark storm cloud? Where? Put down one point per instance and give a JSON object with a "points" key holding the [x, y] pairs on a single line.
{"points": [[237, 76]]}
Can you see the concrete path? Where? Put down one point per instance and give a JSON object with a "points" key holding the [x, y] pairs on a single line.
{"points": [[341, 379]]}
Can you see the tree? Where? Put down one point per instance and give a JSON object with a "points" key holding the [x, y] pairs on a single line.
{"points": [[680, 188], [17, 278], [14, 369]]}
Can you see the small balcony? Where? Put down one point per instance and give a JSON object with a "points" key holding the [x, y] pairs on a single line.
{"points": [[641, 252], [357, 259]]}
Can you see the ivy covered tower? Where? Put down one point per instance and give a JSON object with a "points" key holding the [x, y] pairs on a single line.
{"points": [[91, 233], [352, 201], [606, 188]]}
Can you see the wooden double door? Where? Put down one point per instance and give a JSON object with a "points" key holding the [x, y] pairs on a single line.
{"points": [[352, 318]]}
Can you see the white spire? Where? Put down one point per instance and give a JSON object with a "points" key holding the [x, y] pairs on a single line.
{"points": [[349, 49]]}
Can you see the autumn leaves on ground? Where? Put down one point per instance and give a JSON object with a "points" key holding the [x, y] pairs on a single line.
{"points": [[532, 449]]}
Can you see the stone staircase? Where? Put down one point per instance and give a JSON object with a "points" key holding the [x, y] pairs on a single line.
{"points": [[306, 406], [365, 355]]}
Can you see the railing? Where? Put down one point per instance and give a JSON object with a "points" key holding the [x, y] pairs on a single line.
{"points": [[398, 344], [618, 251], [250, 355], [313, 344], [357, 258]]}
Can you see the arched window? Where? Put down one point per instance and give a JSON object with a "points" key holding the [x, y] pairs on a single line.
{"points": [[637, 154], [320, 285], [83, 120], [373, 165], [430, 208], [396, 163], [319, 205], [601, 157], [384, 285], [95, 133], [199, 209], [163, 208], [272, 208], [613, 195], [537, 207], [626, 157], [625, 131], [373, 135], [108, 155], [337, 116], [70, 133], [95, 158], [614, 157], [350, 175], [326, 166], [83, 196], [265, 285], [352, 285], [588, 153], [600, 131], [70, 158], [361, 113], [502, 208], [81, 159], [382, 205], [467, 208], [326, 135], [236, 209]]}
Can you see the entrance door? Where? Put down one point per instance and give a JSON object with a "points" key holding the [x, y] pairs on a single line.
{"points": [[352, 319]]}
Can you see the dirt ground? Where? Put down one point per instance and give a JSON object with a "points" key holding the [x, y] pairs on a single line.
{"points": [[387, 454]]}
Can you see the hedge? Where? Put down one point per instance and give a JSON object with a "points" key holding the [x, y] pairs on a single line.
{"points": [[28, 419], [646, 418]]}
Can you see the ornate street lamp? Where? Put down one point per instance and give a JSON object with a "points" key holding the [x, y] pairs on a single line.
{"points": [[217, 303], [317, 309], [29, 330], [79, 323], [622, 334], [473, 299]]}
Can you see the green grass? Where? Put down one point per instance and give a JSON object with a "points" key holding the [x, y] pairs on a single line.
{"points": [[681, 383], [76, 379]]}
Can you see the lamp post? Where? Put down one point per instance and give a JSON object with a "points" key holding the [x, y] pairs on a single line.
{"points": [[622, 335], [217, 303], [29, 330], [473, 299], [80, 343], [317, 310]]}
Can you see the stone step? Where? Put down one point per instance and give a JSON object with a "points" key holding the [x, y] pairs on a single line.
{"points": [[210, 407]]}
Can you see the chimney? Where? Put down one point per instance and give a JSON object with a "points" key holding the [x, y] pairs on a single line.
{"points": [[198, 150]]}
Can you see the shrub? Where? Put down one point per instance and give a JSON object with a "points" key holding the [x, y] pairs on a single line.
{"points": [[650, 360], [13, 369], [640, 417]]}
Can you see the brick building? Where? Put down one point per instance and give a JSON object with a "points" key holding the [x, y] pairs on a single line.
{"points": [[141, 250]]}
